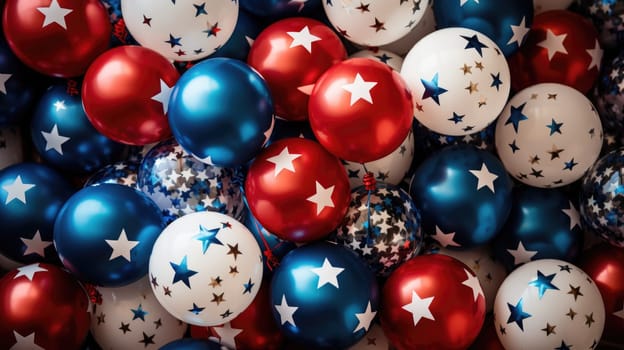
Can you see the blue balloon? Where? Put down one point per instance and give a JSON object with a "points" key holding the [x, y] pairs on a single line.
{"points": [[122, 172], [506, 24], [221, 112], [324, 296], [464, 196], [276, 9], [31, 195], [543, 224], [65, 138], [238, 45], [104, 234], [191, 344]]}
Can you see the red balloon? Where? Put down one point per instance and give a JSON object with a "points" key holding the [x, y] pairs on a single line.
{"points": [[125, 94], [360, 110], [57, 37], [604, 263], [291, 55], [42, 307], [487, 339], [432, 302], [297, 190], [562, 47]]}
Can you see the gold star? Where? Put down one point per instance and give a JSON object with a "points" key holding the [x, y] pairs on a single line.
{"points": [[467, 69], [215, 282], [479, 65], [576, 291], [549, 329], [473, 87], [217, 298], [234, 251]]}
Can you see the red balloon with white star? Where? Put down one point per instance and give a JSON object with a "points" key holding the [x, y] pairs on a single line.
{"points": [[360, 110], [291, 55], [562, 47], [42, 307], [432, 302], [297, 190], [57, 37]]}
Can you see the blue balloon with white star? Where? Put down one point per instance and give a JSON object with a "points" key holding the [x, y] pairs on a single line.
{"points": [[506, 25], [464, 196], [324, 296], [192, 344], [31, 196], [221, 112], [104, 234], [275, 9], [238, 45], [65, 138], [543, 224]]}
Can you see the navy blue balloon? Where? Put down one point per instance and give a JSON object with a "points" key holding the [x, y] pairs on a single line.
{"points": [[317, 292], [505, 23], [460, 204], [543, 224], [238, 45], [31, 195], [221, 111], [191, 344], [104, 234], [275, 9], [65, 138]]}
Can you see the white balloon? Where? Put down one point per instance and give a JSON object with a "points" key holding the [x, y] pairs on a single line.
{"points": [[181, 30], [208, 266], [548, 135], [11, 150], [393, 60], [375, 339], [426, 25], [548, 304], [547, 5], [459, 80]]}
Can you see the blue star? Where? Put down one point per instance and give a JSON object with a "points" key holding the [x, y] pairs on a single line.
{"points": [[329, 2], [496, 80], [554, 127], [173, 41], [432, 89], [196, 309], [207, 237], [513, 146], [543, 283], [384, 58], [200, 9], [139, 313], [456, 118], [474, 43], [517, 315], [516, 116], [248, 287], [569, 165], [563, 346], [182, 273]]}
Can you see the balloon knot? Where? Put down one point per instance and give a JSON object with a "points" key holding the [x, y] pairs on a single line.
{"points": [[272, 261], [369, 181]]}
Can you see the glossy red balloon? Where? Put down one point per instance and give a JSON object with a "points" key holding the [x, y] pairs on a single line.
{"points": [[44, 304], [360, 110], [604, 263], [125, 93], [291, 55], [487, 339], [297, 190], [57, 37], [432, 302], [562, 47]]}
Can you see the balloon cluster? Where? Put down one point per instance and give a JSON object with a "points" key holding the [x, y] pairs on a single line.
{"points": [[311, 174]]}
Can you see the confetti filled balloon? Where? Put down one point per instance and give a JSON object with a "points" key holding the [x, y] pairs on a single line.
{"points": [[182, 30], [548, 135], [459, 80], [208, 267], [122, 172], [551, 304], [432, 301], [606, 15], [384, 56], [57, 39], [609, 94]]}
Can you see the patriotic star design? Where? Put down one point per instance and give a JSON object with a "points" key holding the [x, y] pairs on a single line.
{"points": [[121, 246], [283, 161], [516, 116], [322, 197], [227, 335], [473, 283], [484, 177], [596, 54], [474, 43], [163, 95], [365, 318], [17, 190], [573, 215], [543, 283], [35, 245], [327, 274], [463, 2], [25, 342], [303, 38], [54, 140], [518, 32], [360, 89], [139, 313], [554, 127], [620, 313], [208, 237], [521, 255], [54, 13], [432, 89], [29, 271], [173, 41], [419, 308], [445, 239], [200, 9], [3, 80], [182, 272], [286, 311], [517, 314], [553, 44]]}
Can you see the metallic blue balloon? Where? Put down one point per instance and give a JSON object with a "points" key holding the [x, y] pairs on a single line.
{"points": [[543, 224], [238, 45], [221, 111], [464, 196], [122, 172], [505, 23], [31, 195], [104, 234], [282, 8], [191, 344], [324, 296], [65, 138]]}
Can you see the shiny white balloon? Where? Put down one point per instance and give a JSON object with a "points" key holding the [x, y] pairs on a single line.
{"points": [[426, 25]]}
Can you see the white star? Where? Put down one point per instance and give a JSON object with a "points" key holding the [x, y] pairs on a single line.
{"points": [[303, 38], [596, 56], [29, 271], [17, 190], [286, 312], [360, 89], [35, 245], [484, 177], [553, 43], [227, 335], [54, 14], [3, 79], [322, 197], [445, 239], [472, 282], [573, 214], [300, 4], [463, 2], [284, 160], [249, 40], [620, 313], [521, 255], [365, 318], [163, 95], [54, 140], [306, 89], [419, 308], [25, 343], [269, 131], [327, 274], [121, 246], [59, 105], [519, 32]]}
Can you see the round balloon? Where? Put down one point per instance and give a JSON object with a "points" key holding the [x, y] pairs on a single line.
{"points": [[548, 135], [122, 172], [425, 25], [608, 94], [483, 139], [459, 80], [606, 15], [384, 56], [245, 33]]}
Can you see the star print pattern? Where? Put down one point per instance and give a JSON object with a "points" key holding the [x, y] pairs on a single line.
{"points": [[419, 308], [553, 44], [484, 178], [54, 13], [322, 197], [303, 38], [53, 140], [16, 191], [35, 245], [122, 247], [327, 274], [360, 90]]}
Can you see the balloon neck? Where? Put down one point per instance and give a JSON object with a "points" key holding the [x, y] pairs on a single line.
{"points": [[271, 260], [94, 296], [369, 181]]}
